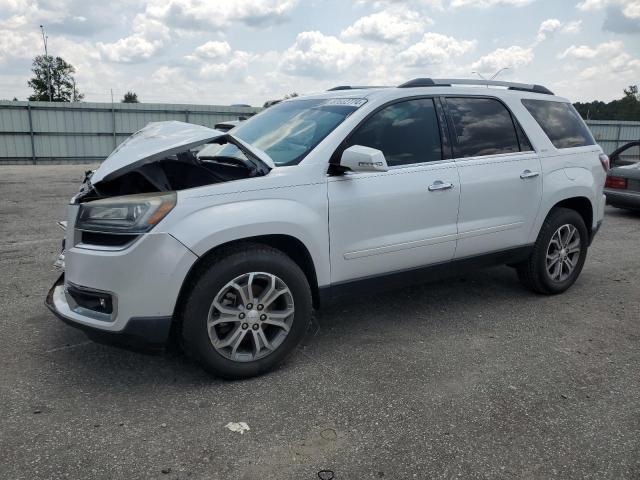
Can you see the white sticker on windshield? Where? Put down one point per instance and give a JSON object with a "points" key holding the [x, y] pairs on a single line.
{"points": [[349, 102]]}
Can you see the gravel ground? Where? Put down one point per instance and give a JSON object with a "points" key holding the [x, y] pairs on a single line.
{"points": [[474, 377]]}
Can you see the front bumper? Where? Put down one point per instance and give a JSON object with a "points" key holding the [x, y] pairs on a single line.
{"points": [[141, 284], [148, 332]]}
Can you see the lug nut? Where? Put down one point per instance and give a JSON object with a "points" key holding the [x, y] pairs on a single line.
{"points": [[260, 307], [263, 317], [245, 326], [241, 316], [255, 326], [249, 306]]}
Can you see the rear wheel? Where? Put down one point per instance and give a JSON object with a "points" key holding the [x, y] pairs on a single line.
{"points": [[246, 312], [558, 254]]}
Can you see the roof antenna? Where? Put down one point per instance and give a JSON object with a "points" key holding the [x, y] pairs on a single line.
{"points": [[479, 74]]}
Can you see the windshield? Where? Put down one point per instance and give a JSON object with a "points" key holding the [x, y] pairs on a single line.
{"points": [[287, 132]]}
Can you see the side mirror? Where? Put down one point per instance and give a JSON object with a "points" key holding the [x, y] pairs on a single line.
{"points": [[358, 158]]}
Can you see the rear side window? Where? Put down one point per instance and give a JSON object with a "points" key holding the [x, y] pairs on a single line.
{"points": [[406, 132], [482, 126], [561, 122]]}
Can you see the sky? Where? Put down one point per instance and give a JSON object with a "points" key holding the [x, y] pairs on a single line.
{"points": [[248, 51]]}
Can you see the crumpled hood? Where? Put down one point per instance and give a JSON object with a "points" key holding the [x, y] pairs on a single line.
{"points": [[153, 142], [159, 140]]}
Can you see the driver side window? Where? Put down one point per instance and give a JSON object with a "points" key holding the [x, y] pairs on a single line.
{"points": [[406, 132]]}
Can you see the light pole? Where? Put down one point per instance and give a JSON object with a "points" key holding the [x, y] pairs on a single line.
{"points": [[499, 72], [46, 57]]}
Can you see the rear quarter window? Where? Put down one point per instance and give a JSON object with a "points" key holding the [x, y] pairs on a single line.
{"points": [[560, 122]]}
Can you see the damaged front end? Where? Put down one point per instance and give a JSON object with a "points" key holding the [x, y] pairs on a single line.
{"points": [[135, 187], [171, 156]]}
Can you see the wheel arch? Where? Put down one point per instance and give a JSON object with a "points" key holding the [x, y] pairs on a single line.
{"points": [[579, 203], [582, 205], [291, 246]]}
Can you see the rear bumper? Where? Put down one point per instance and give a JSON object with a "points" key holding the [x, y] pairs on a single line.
{"points": [[622, 199], [141, 332]]}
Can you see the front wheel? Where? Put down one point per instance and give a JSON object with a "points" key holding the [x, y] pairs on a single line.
{"points": [[558, 254], [246, 312]]}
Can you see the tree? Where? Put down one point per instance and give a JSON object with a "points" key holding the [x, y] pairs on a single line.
{"points": [[63, 84], [632, 91], [130, 97], [625, 108]]}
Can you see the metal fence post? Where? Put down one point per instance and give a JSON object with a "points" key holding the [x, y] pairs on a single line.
{"points": [[186, 116], [33, 144]]}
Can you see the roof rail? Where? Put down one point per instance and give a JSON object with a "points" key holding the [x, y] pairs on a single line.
{"points": [[448, 82], [354, 87]]}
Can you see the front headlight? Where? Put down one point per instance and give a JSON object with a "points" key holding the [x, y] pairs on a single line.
{"points": [[129, 214]]}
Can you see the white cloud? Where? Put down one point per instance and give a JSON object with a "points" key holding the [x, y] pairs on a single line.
{"points": [[213, 50], [435, 4], [29, 12], [122, 43], [572, 27], [391, 25], [315, 54], [512, 57], [76, 17], [235, 69], [583, 52], [624, 64], [548, 27], [586, 71], [552, 25], [14, 5], [148, 38], [17, 46], [219, 14], [630, 8], [489, 3], [435, 48], [440, 4]]}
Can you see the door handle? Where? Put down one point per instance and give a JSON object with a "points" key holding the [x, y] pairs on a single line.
{"points": [[528, 174], [440, 185]]}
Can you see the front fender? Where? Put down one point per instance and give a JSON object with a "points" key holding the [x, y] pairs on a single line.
{"points": [[211, 226]]}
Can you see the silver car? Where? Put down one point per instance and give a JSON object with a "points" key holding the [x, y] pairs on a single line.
{"points": [[623, 182]]}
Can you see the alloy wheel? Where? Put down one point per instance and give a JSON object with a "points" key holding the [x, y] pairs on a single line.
{"points": [[250, 316], [563, 252]]}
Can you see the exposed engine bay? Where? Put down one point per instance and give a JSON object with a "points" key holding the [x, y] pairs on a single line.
{"points": [[220, 159]]}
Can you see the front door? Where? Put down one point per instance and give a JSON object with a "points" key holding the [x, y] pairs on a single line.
{"points": [[401, 219]]}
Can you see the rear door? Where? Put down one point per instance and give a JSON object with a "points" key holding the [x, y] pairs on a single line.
{"points": [[501, 185], [401, 219]]}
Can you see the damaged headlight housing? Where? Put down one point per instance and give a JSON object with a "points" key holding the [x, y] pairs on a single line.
{"points": [[129, 214]]}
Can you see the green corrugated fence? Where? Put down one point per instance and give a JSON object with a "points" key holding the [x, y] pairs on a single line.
{"points": [[51, 132], [45, 132]]}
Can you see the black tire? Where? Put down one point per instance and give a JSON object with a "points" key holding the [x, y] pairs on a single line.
{"points": [[533, 271], [220, 270]]}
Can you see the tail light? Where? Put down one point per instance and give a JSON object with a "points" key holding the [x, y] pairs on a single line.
{"points": [[604, 160], [616, 182]]}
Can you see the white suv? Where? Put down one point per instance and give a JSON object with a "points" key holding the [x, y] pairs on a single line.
{"points": [[227, 241]]}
